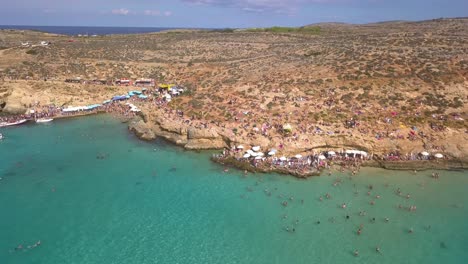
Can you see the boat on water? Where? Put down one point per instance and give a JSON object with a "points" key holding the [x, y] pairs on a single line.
{"points": [[1, 136], [19, 122], [44, 120]]}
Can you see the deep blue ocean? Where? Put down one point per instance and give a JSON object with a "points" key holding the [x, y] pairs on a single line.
{"points": [[67, 30], [93, 193]]}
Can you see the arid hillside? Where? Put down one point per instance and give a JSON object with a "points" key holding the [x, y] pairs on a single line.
{"points": [[384, 76]]}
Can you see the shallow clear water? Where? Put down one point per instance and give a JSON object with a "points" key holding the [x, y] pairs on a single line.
{"points": [[92, 193]]}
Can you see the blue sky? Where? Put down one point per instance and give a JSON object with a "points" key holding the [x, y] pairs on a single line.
{"points": [[221, 13]]}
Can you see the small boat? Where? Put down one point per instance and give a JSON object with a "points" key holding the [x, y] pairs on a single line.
{"points": [[19, 122], [44, 120], [1, 136]]}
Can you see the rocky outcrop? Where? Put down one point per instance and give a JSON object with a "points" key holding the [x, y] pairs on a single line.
{"points": [[197, 133], [206, 143], [189, 138], [142, 130], [14, 107]]}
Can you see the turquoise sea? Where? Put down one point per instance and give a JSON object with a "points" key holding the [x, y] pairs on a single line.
{"points": [[92, 193]]}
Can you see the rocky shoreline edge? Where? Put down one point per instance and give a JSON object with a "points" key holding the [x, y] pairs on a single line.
{"points": [[150, 127]]}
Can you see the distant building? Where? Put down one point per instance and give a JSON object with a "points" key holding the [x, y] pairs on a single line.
{"points": [[123, 82], [145, 82], [74, 80]]}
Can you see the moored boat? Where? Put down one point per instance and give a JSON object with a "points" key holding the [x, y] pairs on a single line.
{"points": [[19, 122], [1, 136], [44, 120]]}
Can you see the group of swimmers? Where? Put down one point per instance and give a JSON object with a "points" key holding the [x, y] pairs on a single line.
{"points": [[20, 247]]}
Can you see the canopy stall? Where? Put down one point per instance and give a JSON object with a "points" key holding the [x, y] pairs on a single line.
{"points": [[120, 97]]}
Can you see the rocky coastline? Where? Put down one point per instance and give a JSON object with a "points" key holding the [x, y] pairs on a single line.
{"points": [[150, 127]]}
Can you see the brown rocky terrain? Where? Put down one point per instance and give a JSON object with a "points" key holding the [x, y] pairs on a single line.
{"points": [[391, 79]]}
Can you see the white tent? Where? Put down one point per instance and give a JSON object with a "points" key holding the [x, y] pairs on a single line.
{"points": [[363, 153], [260, 154], [424, 153], [438, 155], [298, 156], [256, 148], [240, 147], [331, 153], [271, 153], [249, 151], [258, 158], [247, 155], [322, 157], [254, 154], [283, 158]]}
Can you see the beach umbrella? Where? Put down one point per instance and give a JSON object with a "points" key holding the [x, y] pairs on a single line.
{"points": [[331, 153], [240, 147], [258, 158], [298, 156], [283, 158], [287, 127], [255, 129], [271, 153], [256, 148], [261, 154], [438, 155], [247, 155], [322, 157], [424, 153], [254, 154]]}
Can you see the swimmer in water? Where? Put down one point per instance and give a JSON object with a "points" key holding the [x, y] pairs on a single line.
{"points": [[387, 219], [343, 206], [411, 231], [356, 253], [377, 249]]}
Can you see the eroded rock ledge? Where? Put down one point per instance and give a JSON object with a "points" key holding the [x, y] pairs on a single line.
{"points": [[150, 127]]}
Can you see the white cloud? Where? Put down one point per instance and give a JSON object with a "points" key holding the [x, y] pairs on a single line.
{"points": [[121, 11], [157, 13], [152, 12]]}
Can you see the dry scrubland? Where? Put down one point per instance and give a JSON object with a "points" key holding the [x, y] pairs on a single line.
{"points": [[316, 79]]}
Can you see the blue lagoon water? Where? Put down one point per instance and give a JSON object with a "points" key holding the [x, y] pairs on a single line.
{"points": [[92, 193]]}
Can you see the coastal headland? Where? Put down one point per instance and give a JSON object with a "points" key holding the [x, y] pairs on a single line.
{"points": [[394, 90]]}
